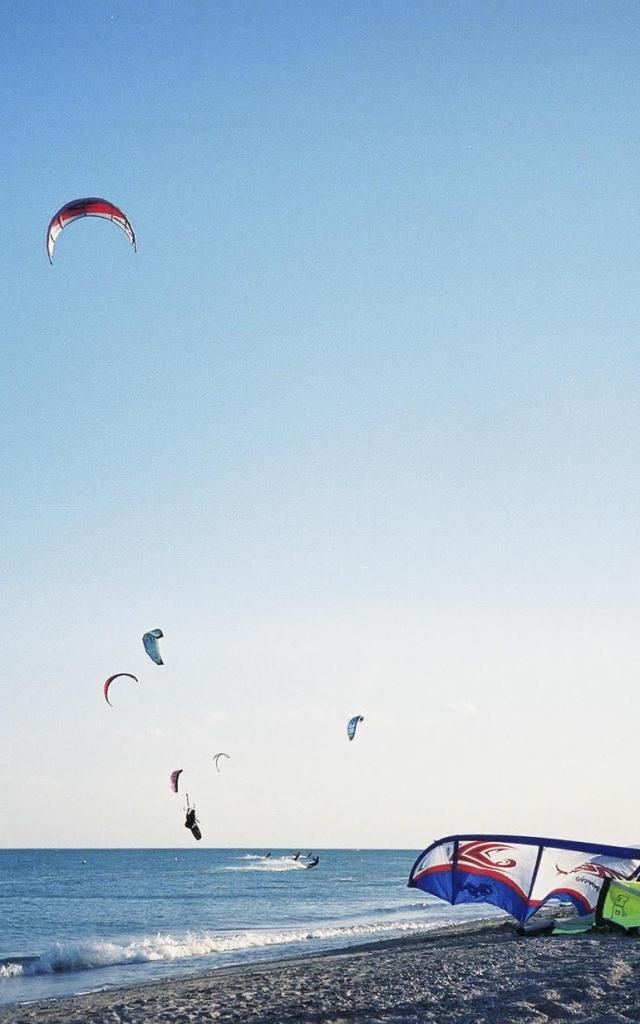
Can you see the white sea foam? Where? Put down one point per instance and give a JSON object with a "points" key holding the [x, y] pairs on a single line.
{"points": [[78, 956], [11, 970], [267, 864]]}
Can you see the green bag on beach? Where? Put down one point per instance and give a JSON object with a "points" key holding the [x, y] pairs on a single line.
{"points": [[619, 903]]}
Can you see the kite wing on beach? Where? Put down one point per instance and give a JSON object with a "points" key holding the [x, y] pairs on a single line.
{"points": [[151, 645], [78, 208], [108, 682], [520, 874], [352, 725]]}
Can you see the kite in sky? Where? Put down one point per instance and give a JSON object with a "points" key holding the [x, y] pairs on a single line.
{"points": [[151, 645], [118, 675], [87, 208], [352, 725]]}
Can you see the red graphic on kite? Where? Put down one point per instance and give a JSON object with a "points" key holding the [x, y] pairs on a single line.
{"points": [[478, 854], [590, 868]]}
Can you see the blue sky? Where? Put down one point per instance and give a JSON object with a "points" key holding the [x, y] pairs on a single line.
{"points": [[357, 426]]}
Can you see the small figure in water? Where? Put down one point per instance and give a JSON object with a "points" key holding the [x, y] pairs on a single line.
{"points": [[267, 854], [296, 855], [312, 863]]}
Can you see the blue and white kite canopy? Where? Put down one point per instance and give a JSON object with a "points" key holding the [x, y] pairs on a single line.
{"points": [[520, 874], [151, 645], [352, 725]]}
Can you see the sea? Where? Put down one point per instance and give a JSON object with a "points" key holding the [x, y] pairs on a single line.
{"points": [[77, 921]]}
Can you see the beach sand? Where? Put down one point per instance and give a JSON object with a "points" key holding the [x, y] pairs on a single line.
{"points": [[489, 977]]}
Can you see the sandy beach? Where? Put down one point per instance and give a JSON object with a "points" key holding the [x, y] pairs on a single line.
{"points": [[492, 977]]}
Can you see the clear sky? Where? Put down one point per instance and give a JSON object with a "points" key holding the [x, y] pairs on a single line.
{"points": [[357, 426]]}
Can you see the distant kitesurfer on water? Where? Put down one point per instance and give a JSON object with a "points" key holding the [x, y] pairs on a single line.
{"points": [[296, 855], [267, 854], [312, 863]]}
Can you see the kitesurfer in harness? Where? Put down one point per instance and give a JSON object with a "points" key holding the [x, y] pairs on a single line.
{"points": [[191, 822], [312, 863]]}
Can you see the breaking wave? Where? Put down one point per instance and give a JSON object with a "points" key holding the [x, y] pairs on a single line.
{"points": [[64, 957], [11, 970]]}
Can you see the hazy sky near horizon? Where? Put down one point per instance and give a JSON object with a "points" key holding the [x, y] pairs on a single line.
{"points": [[357, 426]]}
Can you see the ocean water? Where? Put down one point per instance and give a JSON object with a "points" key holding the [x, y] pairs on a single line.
{"points": [[76, 921]]}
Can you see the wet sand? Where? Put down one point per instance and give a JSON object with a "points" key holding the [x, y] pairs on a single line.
{"points": [[490, 977]]}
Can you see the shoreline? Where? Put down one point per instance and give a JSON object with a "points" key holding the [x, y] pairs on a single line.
{"points": [[493, 975]]}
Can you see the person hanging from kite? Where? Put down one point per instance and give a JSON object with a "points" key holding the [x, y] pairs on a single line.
{"points": [[191, 822]]}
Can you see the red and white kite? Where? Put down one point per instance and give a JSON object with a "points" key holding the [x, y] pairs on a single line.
{"points": [[87, 208]]}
